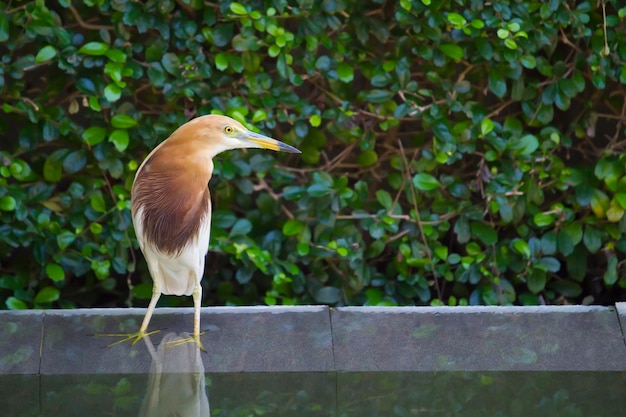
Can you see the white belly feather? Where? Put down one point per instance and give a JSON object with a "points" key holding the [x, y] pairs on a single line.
{"points": [[176, 275]]}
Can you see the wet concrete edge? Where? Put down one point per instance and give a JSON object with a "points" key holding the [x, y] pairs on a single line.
{"points": [[25, 331]]}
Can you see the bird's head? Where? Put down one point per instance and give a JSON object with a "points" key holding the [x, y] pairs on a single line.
{"points": [[224, 133]]}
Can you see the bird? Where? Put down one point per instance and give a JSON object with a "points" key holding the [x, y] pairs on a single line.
{"points": [[171, 207], [176, 383]]}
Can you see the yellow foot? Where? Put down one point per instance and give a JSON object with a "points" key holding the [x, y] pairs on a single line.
{"points": [[135, 337], [191, 339]]}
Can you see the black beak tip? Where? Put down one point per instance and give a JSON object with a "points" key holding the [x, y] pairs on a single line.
{"points": [[288, 148]]}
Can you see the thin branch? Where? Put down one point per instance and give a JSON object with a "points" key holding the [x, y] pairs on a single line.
{"points": [[86, 25], [419, 221]]}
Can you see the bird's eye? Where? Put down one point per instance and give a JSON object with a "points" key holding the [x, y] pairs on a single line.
{"points": [[229, 130]]}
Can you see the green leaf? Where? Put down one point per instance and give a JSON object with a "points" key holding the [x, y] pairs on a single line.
{"points": [[543, 219], [55, 272], [13, 303], [46, 53], [4, 28], [112, 92], [592, 239], [123, 121], [566, 242], [503, 33], [318, 190], [292, 227], [486, 126], [238, 8], [527, 144], [574, 231], [75, 161], [528, 61], [384, 198], [484, 232], [94, 104], [315, 120], [241, 228], [536, 280], [7, 203], [441, 252], [510, 43], [243, 43], [367, 158], [47, 295], [94, 48], [615, 212], [65, 238], [116, 55], [496, 82], [53, 168], [120, 138], [621, 199], [522, 247], [456, 19], [96, 228], [477, 24], [452, 50], [550, 263], [221, 61], [97, 202], [94, 135], [345, 73], [548, 243], [101, 268], [171, 63], [425, 182], [274, 51], [600, 203]]}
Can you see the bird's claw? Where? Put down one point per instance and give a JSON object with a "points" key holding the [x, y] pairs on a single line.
{"points": [[192, 339], [133, 337]]}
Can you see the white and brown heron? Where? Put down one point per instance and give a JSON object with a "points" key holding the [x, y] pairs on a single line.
{"points": [[171, 206]]}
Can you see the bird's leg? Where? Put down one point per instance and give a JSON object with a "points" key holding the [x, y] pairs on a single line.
{"points": [[197, 303], [136, 337]]}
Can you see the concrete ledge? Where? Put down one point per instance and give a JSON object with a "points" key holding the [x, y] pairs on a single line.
{"points": [[566, 338], [244, 339], [317, 339], [20, 341]]}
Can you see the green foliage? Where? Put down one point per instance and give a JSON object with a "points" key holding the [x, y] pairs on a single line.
{"points": [[453, 152]]}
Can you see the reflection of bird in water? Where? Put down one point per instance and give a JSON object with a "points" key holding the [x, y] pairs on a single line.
{"points": [[176, 386], [171, 207]]}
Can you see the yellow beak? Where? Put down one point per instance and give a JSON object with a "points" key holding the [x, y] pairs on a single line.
{"points": [[265, 142]]}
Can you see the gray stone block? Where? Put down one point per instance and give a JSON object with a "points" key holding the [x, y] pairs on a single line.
{"points": [[621, 314], [242, 339], [20, 340], [268, 339], [73, 344], [477, 338]]}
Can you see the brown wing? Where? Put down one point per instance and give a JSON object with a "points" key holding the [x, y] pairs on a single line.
{"points": [[174, 203]]}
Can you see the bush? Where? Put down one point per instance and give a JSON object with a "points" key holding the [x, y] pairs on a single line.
{"points": [[453, 152]]}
